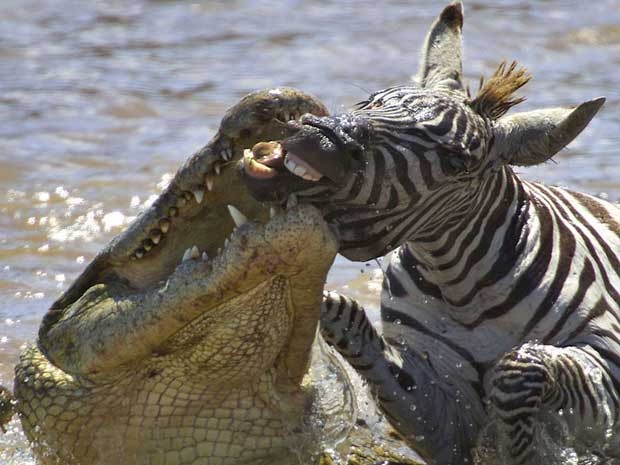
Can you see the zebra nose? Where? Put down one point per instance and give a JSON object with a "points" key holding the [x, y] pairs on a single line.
{"points": [[320, 151]]}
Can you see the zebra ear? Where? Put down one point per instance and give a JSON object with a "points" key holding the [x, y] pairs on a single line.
{"points": [[533, 137], [441, 53]]}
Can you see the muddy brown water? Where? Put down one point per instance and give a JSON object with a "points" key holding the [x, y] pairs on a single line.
{"points": [[101, 101]]}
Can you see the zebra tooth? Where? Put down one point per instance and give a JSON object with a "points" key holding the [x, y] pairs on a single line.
{"points": [[205, 257], [300, 168], [187, 255], [199, 195], [238, 217], [164, 225], [291, 201], [209, 182], [272, 212], [194, 253], [217, 168]]}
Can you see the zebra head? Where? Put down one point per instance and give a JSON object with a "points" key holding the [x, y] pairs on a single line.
{"points": [[406, 160]]}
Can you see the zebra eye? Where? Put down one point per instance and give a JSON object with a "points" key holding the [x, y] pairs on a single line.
{"points": [[377, 103]]}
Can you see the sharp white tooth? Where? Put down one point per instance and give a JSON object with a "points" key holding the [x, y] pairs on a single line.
{"points": [[217, 168], [291, 201], [272, 212], [226, 242], [205, 257], [229, 152], [238, 217], [155, 237], [194, 253], [199, 195], [209, 182], [187, 255], [139, 253], [164, 225]]}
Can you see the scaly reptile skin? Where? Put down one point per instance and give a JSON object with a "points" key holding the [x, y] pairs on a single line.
{"points": [[147, 360]]}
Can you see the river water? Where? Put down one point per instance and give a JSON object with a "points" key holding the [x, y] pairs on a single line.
{"points": [[100, 101]]}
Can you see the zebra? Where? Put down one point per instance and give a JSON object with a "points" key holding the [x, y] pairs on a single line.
{"points": [[500, 308]]}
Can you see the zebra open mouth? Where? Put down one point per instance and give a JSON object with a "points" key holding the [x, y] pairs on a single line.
{"points": [[267, 159], [313, 155]]}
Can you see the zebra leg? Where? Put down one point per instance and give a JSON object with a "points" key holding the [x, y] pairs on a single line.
{"points": [[572, 384], [438, 415]]}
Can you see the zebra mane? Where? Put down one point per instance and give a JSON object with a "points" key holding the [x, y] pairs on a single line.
{"points": [[494, 96]]}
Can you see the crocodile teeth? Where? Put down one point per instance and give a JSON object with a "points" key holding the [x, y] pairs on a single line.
{"points": [[217, 168], [155, 237], [181, 202], [272, 212], [195, 253], [205, 257], [199, 195], [238, 217], [164, 225], [139, 253], [209, 182], [191, 252], [227, 154]]}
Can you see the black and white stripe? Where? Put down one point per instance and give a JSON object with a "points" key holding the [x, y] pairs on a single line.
{"points": [[501, 298], [489, 268]]}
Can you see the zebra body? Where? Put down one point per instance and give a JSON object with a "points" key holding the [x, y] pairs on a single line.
{"points": [[500, 308]]}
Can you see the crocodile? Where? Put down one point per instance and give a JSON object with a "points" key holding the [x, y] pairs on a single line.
{"points": [[192, 337]]}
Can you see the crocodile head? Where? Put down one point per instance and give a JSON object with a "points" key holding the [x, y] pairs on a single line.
{"points": [[189, 220], [202, 316]]}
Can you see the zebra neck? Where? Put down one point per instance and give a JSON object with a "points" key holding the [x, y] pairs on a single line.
{"points": [[478, 242]]}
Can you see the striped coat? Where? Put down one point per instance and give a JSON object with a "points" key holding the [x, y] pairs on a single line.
{"points": [[500, 312]]}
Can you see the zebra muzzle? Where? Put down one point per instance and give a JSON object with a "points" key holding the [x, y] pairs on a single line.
{"points": [[266, 159]]}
